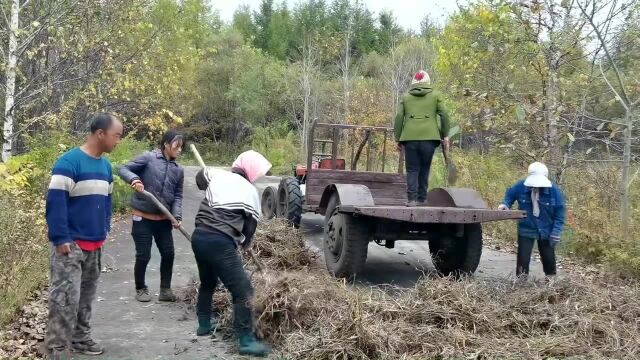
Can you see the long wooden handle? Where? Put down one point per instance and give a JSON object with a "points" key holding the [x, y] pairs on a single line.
{"points": [[445, 152], [197, 155], [166, 212]]}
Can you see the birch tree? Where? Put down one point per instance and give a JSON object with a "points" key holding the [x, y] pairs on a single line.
{"points": [[618, 85], [558, 32], [26, 38], [309, 65], [346, 66], [10, 84]]}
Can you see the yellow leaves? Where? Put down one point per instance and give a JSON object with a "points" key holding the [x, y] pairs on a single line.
{"points": [[13, 178], [486, 15], [171, 117], [583, 79], [160, 122]]}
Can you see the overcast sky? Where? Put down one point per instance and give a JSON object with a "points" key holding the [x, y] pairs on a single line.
{"points": [[409, 13]]}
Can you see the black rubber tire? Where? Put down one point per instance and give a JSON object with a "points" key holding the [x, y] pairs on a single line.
{"points": [[353, 242], [268, 202], [289, 201], [453, 255]]}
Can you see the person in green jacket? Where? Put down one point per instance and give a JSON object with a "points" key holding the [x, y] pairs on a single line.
{"points": [[418, 134]]}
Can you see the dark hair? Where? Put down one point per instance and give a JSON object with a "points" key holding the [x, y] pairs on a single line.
{"points": [[169, 137], [201, 180], [237, 170], [101, 121]]}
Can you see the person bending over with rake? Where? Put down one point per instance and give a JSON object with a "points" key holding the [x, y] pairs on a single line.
{"points": [[228, 217]]}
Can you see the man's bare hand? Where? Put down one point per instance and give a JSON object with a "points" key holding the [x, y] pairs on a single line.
{"points": [[138, 186], [400, 147], [63, 249], [177, 224]]}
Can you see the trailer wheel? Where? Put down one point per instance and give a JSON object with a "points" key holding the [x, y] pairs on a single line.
{"points": [[289, 206], [346, 241], [268, 202], [456, 255]]}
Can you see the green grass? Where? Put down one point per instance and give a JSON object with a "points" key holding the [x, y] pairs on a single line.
{"points": [[23, 253]]}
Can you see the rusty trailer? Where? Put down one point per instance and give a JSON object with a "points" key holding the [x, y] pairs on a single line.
{"points": [[364, 206]]}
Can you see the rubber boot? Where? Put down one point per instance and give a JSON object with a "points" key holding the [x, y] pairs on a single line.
{"points": [[206, 325], [249, 345]]}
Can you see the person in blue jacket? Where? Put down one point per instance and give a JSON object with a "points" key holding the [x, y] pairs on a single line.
{"points": [[546, 211]]}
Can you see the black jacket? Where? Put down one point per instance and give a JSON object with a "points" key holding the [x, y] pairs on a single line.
{"points": [[161, 177]]}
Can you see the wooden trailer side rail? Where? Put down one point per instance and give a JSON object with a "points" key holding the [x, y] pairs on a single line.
{"points": [[387, 189]]}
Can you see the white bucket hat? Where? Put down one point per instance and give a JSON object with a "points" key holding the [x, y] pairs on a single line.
{"points": [[538, 176]]}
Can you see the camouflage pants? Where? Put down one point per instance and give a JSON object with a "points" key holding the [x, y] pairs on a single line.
{"points": [[74, 280]]}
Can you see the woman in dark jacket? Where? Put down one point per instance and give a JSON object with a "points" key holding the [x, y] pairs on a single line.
{"points": [[157, 172]]}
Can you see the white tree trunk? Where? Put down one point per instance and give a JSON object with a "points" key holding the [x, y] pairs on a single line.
{"points": [[308, 70], [553, 116], [12, 60], [626, 168], [345, 67]]}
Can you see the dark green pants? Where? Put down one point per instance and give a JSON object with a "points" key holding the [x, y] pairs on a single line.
{"points": [[218, 259]]}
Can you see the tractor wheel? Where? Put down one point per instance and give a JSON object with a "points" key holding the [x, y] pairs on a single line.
{"points": [[268, 202], [346, 241], [289, 206], [456, 255]]}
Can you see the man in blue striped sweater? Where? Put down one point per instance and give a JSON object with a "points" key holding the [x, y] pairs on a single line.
{"points": [[79, 219]]}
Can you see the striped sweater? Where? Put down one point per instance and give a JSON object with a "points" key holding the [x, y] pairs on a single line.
{"points": [[231, 206], [79, 198]]}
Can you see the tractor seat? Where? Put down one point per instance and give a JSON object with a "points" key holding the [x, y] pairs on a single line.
{"points": [[301, 170], [328, 164]]}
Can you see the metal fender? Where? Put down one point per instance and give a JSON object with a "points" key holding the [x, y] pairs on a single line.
{"points": [[349, 194], [456, 197]]}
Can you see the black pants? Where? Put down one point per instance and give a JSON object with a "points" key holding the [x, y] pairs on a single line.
{"points": [[144, 232], [418, 156], [218, 259], [547, 255]]}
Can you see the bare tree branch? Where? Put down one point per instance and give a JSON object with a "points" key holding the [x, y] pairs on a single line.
{"points": [[47, 21], [24, 4], [623, 101], [4, 14], [623, 94]]}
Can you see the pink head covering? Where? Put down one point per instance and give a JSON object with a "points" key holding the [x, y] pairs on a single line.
{"points": [[253, 164]]}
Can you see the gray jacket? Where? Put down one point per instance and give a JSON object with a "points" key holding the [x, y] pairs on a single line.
{"points": [[161, 177]]}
